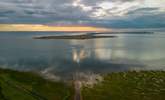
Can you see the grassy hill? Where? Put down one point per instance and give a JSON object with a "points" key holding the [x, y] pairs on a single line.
{"points": [[29, 86], [144, 85]]}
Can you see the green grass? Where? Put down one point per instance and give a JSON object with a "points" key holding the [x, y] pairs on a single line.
{"points": [[144, 85], [16, 85]]}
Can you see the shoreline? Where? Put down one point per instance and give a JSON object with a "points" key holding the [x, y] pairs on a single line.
{"points": [[31, 85]]}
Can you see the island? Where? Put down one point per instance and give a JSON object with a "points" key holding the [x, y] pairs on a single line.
{"points": [[80, 37], [91, 35]]}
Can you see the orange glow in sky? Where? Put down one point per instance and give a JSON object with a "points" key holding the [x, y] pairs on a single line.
{"points": [[38, 27]]}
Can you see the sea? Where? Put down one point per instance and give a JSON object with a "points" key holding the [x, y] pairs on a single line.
{"points": [[61, 58]]}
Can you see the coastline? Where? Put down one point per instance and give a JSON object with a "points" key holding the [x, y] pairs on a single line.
{"points": [[143, 85], [31, 86]]}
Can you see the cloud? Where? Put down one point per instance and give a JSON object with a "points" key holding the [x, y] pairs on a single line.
{"points": [[144, 11], [38, 10], [145, 21], [87, 12]]}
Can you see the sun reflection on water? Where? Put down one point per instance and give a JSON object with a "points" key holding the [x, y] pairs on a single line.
{"points": [[79, 54]]}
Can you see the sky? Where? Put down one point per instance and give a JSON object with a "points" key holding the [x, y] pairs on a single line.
{"points": [[41, 27], [95, 13]]}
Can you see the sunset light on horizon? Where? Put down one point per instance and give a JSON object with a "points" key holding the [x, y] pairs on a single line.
{"points": [[40, 27], [82, 49]]}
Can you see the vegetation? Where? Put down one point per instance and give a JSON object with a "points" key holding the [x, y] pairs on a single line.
{"points": [[144, 85], [29, 86]]}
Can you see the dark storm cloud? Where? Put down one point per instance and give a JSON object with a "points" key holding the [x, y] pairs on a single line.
{"points": [[40, 11], [85, 12], [145, 21], [149, 10]]}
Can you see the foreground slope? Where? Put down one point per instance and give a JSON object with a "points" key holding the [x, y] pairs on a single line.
{"points": [[144, 85], [29, 86]]}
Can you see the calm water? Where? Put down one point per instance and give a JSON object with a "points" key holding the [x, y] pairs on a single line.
{"points": [[63, 57]]}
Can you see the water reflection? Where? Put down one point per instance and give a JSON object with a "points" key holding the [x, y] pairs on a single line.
{"points": [[78, 54], [103, 54], [60, 58]]}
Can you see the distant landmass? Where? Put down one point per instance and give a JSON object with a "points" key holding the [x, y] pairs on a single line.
{"points": [[89, 35], [84, 36]]}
